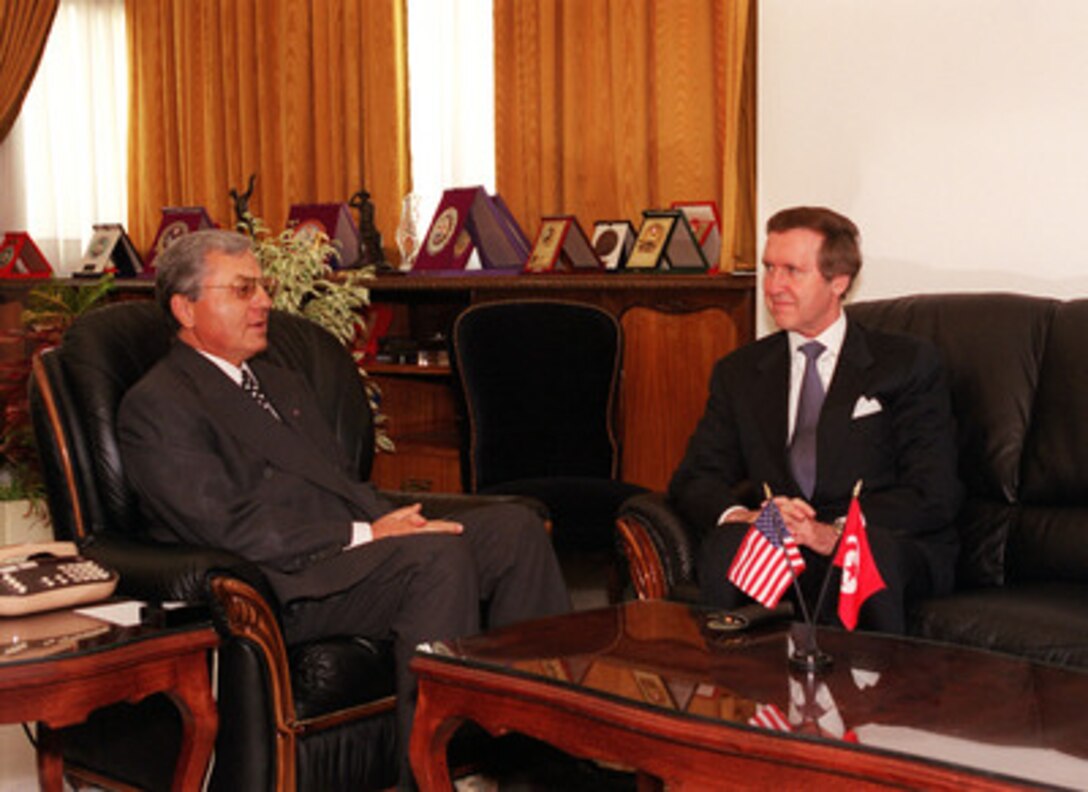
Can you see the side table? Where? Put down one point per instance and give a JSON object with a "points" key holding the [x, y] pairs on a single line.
{"points": [[58, 667]]}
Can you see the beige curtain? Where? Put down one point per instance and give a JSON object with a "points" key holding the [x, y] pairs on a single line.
{"points": [[608, 107], [24, 27], [311, 95]]}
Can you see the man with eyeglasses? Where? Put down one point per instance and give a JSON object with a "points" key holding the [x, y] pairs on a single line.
{"points": [[210, 439]]}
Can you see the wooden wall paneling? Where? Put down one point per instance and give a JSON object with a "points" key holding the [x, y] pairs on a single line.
{"points": [[668, 357]]}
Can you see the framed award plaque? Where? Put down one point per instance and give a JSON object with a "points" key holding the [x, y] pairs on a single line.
{"points": [[469, 219], [613, 241], [562, 245], [110, 250], [706, 224], [334, 221], [176, 220], [665, 242], [20, 258], [499, 238]]}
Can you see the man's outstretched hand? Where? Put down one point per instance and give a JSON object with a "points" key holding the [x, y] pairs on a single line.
{"points": [[410, 520]]}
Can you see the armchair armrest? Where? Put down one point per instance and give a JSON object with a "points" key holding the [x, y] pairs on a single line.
{"points": [[262, 676], [659, 546], [156, 571]]}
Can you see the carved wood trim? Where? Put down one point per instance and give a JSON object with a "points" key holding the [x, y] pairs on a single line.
{"points": [[49, 401], [647, 571], [359, 712], [248, 616]]}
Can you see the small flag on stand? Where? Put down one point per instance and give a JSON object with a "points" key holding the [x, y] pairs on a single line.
{"points": [[860, 576], [762, 566], [771, 718]]}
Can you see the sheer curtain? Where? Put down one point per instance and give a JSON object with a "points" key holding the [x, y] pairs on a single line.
{"points": [[451, 98], [64, 160]]}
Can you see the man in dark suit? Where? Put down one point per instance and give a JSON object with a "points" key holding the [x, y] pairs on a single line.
{"points": [[877, 410], [225, 450]]}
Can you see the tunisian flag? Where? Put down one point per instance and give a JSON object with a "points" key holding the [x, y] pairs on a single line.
{"points": [[860, 577]]}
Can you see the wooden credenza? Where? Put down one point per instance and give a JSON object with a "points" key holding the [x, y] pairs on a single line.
{"points": [[675, 327]]}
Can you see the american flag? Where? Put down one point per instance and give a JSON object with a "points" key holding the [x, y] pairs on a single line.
{"points": [[761, 568], [770, 717]]}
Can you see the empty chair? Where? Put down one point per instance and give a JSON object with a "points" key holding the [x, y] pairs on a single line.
{"points": [[539, 385]]}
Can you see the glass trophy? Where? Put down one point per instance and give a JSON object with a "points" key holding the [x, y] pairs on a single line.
{"points": [[408, 231]]}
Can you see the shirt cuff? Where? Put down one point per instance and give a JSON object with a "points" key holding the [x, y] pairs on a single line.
{"points": [[729, 514], [360, 534]]}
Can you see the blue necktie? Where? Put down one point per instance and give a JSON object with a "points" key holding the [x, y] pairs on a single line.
{"points": [[803, 446]]}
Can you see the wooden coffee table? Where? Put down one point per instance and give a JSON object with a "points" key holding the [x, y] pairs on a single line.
{"points": [[652, 687], [58, 667]]}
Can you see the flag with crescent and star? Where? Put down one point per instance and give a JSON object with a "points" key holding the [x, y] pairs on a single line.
{"points": [[860, 576]]}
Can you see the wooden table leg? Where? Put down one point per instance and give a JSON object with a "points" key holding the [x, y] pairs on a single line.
{"points": [[431, 733], [50, 760], [199, 721]]}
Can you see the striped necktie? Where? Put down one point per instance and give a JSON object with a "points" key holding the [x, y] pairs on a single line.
{"points": [[253, 388]]}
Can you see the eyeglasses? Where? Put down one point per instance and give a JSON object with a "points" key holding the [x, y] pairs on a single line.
{"points": [[245, 287]]}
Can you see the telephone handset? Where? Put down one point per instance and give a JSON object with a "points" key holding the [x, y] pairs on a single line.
{"points": [[37, 577]]}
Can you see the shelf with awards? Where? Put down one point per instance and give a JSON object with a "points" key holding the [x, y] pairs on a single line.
{"points": [[675, 326]]}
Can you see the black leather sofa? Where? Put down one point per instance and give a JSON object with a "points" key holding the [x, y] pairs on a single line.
{"points": [[312, 716], [1018, 370]]}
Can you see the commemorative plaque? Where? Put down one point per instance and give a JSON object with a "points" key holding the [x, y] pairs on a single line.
{"points": [[666, 242], [110, 251], [469, 219], [562, 246], [176, 221], [20, 258], [334, 221], [706, 225], [613, 241]]}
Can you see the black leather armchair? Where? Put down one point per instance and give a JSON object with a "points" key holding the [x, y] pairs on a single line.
{"points": [[312, 716], [1018, 373], [539, 382]]}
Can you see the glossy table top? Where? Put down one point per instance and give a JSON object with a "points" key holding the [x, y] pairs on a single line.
{"points": [[951, 705], [65, 633]]}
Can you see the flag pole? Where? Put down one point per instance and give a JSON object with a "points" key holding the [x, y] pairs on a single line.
{"points": [[810, 658]]}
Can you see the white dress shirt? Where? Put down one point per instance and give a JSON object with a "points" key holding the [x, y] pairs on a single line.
{"points": [[832, 339]]}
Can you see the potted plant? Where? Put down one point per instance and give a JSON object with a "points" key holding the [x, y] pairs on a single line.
{"points": [[309, 286], [49, 310]]}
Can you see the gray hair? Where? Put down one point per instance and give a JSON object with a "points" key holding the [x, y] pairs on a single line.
{"points": [[180, 268]]}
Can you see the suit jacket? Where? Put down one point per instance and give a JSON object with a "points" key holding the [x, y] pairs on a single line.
{"points": [[211, 467], [886, 420]]}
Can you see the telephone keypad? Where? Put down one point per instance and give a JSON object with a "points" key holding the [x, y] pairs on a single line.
{"points": [[50, 580]]}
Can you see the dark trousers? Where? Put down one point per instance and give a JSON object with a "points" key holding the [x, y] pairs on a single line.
{"points": [[901, 564], [433, 587]]}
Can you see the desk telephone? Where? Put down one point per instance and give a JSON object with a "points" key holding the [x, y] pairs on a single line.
{"points": [[37, 577]]}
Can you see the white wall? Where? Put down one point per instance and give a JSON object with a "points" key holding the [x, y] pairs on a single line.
{"points": [[954, 132]]}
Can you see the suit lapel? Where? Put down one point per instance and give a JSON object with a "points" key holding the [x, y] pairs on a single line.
{"points": [[287, 444], [771, 401], [848, 383]]}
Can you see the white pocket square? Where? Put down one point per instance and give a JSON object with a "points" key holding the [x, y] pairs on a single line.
{"points": [[866, 406]]}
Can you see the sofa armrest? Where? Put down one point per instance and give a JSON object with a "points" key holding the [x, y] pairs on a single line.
{"points": [[659, 546]]}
